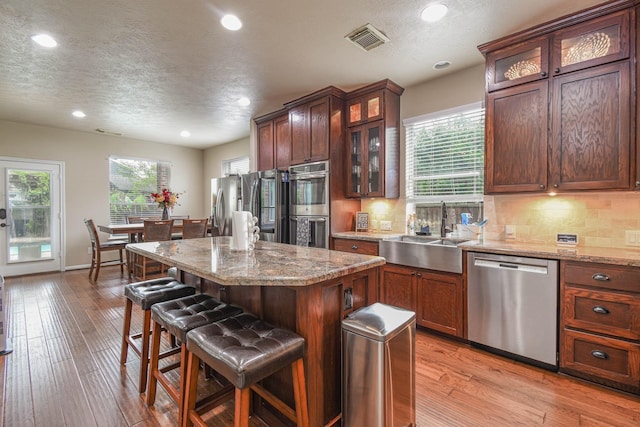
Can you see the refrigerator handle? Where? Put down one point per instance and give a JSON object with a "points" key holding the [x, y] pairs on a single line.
{"points": [[253, 202], [219, 206]]}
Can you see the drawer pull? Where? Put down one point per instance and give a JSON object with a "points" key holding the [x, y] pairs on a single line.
{"points": [[600, 309], [601, 277], [354, 247], [600, 354]]}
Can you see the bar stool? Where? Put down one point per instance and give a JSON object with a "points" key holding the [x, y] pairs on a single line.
{"points": [[245, 350], [145, 294], [178, 317]]}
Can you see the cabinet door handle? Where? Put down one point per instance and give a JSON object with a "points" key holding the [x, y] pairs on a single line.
{"points": [[543, 74], [601, 277], [600, 354], [413, 273], [557, 70], [354, 247], [600, 309], [419, 274], [555, 186], [541, 186]]}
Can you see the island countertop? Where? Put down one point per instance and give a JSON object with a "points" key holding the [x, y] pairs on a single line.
{"points": [[269, 264]]}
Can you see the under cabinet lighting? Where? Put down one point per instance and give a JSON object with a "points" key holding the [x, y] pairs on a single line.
{"points": [[44, 40]]}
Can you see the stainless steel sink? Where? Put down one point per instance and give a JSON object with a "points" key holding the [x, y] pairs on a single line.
{"points": [[423, 252]]}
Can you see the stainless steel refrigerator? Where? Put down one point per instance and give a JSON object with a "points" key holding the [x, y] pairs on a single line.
{"points": [[226, 197], [266, 195]]}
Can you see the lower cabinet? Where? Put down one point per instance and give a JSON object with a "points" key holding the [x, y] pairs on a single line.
{"points": [[363, 247], [436, 297], [600, 324]]}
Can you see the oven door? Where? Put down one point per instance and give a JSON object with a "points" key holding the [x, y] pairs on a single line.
{"points": [[312, 231], [309, 194]]}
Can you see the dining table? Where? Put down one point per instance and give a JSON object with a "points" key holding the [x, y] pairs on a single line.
{"points": [[303, 289], [134, 231]]}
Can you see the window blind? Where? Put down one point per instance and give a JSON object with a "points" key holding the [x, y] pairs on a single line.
{"points": [[445, 156], [237, 166], [131, 182]]}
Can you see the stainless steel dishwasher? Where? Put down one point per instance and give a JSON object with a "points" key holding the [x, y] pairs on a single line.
{"points": [[513, 306]]}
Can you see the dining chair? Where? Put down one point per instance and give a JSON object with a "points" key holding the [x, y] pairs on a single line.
{"points": [[154, 231], [194, 228], [97, 248]]}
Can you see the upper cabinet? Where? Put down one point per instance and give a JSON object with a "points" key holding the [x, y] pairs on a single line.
{"points": [[274, 141], [559, 104], [316, 124], [373, 136]]}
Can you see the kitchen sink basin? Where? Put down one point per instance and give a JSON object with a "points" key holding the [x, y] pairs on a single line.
{"points": [[423, 252]]}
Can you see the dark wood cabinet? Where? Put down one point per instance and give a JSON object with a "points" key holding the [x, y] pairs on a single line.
{"points": [[560, 105], [316, 125], [373, 137], [600, 324], [362, 247], [274, 142], [436, 297]]}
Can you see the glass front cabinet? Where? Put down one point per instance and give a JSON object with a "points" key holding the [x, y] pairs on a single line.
{"points": [[366, 143], [373, 134]]}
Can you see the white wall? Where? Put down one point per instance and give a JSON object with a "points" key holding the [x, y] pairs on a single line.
{"points": [[87, 173]]}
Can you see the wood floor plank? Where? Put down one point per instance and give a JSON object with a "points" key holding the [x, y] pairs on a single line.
{"points": [[75, 353]]}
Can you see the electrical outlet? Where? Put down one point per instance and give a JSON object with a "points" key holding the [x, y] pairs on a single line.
{"points": [[632, 237], [510, 232], [385, 225]]}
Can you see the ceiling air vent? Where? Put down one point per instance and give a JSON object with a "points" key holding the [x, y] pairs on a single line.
{"points": [[367, 37], [108, 132]]}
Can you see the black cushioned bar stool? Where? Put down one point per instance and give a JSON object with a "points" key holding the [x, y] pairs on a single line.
{"points": [[178, 317], [245, 350], [144, 294]]}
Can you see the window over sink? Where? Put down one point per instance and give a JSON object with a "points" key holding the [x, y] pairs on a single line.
{"points": [[445, 156]]}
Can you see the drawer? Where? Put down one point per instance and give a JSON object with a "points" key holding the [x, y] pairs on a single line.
{"points": [[603, 312], [606, 358], [363, 247], [602, 276]]}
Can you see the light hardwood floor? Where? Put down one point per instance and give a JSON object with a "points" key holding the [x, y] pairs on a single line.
{"points": [[64, 371]]}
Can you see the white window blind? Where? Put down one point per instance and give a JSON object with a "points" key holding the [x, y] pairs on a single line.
{"points": [[445, 155], [131, 182], [237, 166]]}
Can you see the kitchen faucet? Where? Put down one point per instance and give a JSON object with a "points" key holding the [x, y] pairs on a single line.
{"points": [[443, 226]]}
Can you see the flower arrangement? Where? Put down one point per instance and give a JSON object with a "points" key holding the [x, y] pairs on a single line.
{"points": [[165, 198]]}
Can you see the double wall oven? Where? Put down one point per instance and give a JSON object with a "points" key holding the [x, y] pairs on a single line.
{"points": [[309, 205]]}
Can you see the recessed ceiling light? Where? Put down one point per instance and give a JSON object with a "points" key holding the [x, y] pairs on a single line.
{"points": [[79, 114], [441, 65], [44, 40], [244, 101], [231, 22], [434, 13], [185, 134]]}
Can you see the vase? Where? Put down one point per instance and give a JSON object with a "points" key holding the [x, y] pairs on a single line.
{"points": [[165, 213]]}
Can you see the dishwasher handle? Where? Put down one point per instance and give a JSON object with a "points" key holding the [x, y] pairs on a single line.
{"points": [[513, 266]]}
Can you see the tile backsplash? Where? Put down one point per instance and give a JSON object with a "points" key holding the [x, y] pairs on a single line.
{"points": [[600, 219]]}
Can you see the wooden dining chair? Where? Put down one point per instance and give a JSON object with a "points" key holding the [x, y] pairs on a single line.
{"points": [[194, 228], [97, 248], [154, 231]]}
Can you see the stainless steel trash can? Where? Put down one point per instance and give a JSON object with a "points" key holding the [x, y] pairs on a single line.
{"points": [[378, 367]]}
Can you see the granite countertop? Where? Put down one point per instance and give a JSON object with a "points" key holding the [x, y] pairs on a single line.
{"points": [[269, 264], [617, 256], [373, 236]]}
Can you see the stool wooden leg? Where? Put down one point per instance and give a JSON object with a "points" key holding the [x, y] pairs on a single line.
{"points": [[300, 393], [144, 356], [125, 332], [191, 389], [183, 381], [154, 360], [243, 400]]}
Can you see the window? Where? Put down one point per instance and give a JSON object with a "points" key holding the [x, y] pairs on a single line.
{"points": [[445, 156], [131, 181], [237, 166]]}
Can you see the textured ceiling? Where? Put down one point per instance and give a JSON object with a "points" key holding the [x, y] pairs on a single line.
{"points": [[150, 68]]}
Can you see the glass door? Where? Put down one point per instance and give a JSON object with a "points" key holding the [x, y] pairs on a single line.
{"points": [[30, 217]]}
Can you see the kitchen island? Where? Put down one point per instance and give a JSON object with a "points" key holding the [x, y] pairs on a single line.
{"points": [[306, 290]]}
